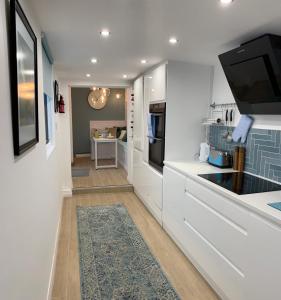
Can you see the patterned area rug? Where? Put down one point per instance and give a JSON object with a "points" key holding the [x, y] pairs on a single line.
{"points": [[115, 262]]}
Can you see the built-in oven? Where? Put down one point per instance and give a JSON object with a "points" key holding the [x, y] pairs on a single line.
{"points": [[156, 136]]}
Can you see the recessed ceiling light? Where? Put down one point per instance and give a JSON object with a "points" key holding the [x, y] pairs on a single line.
{"points": [[88, 75], [173, 40], [125, 76], [143, 61], [105, 33], [226, 2], [94, 60]]}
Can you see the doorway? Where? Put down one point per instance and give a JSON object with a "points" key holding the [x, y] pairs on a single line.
{"points": [[103, 124]]}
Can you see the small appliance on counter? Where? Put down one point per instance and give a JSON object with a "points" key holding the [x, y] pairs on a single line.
{"points": [[204, 152], [219, 158]]}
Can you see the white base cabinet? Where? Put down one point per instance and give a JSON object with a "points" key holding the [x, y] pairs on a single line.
{"points": [[237, 251], [147, 185]]}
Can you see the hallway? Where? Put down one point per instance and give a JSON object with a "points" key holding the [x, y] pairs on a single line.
{"points": [[186, 280]]}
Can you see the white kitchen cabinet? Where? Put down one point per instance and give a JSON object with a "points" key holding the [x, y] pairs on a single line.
{"points": [[158, 86], [138, 171], [205, 234], [148, 185], [146, 101], [217, 243], [236, 250], [138, 114], [264, 257], [173, 197]]}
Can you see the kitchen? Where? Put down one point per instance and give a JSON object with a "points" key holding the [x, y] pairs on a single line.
{"points": [[223, 211], [170, 112]]}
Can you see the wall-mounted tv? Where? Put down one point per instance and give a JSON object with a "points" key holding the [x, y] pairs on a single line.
{"points": [[253, 72]]}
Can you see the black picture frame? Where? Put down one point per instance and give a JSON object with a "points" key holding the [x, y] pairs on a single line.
{"points": [[24, 80], [56, 96]]}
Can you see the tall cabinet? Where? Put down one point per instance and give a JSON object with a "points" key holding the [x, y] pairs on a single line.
{"points": [[138, 138], [178, 84]]}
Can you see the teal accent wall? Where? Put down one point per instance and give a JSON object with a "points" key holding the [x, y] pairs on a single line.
{"points": [[263, 150], [83, 113]]}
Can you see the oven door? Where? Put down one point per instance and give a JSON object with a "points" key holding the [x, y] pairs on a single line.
{"points": [[159, 125], [156, 153]]}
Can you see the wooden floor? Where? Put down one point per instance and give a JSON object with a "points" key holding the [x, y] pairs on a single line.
{"points": [[100, 177], [183, 276]]}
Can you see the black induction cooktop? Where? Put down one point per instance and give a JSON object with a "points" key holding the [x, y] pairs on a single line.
{"points": [[242, 183]]}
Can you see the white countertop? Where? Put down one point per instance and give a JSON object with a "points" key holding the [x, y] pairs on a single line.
{"points": [[255, 202]]}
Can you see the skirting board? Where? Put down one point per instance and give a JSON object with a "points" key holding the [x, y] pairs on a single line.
{"points": [[54, 260], [66, 192], [83, 155]]}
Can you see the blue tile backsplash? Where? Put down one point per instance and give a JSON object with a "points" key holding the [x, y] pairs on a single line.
{"points": [[263, 150]]}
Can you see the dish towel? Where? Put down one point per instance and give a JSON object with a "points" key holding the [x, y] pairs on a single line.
{"points": [[242, 129], [151, 127]]}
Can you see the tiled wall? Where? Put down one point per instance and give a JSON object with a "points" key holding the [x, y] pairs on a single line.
{"points": [[263, 150]]}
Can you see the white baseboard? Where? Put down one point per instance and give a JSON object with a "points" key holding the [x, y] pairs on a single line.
{"points": [[66, 192], [54, 260], [83, 155]]}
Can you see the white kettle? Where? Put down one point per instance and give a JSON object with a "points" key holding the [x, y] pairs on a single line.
{"points": [[204, 152]]}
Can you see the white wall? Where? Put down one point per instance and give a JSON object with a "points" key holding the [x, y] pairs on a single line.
{"points": [[222, 94], [30, 192], [188, 98]]}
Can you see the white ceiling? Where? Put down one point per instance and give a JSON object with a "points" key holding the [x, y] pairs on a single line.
{"points": [[141, 29]]}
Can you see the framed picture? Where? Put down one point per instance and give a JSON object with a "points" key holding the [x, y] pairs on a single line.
{"points": [[24, 85], [56, 96]]}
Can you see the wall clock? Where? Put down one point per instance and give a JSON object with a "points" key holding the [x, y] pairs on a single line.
{"points": [[98, 97]]}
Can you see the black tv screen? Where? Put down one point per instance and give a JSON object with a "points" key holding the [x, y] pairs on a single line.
{"points": [[253, 73]]}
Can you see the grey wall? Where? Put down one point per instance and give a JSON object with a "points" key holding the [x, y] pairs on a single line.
{"points": [[82, 114]]}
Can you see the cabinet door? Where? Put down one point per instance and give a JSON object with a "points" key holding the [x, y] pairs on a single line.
{"points": [[173, 197], [147, 97], [158, 84], [138, 171], [264, 257], [138, 114]]}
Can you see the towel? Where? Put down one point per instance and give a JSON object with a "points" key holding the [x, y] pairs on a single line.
{"points": [[151, 127], [242, 129]]}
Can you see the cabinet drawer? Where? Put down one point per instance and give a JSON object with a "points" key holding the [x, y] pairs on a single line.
{"points": [[210, 261], [226, 238], [227, 208]]}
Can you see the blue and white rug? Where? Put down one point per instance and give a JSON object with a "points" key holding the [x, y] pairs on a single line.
{"points": [[115, 262]]}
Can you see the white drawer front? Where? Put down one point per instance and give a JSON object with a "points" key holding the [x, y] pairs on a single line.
{"points": [[211, 261], [230, 210], [228, 239]]}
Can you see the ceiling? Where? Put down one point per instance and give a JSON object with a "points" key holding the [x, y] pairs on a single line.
{"points": [[141, 29]]}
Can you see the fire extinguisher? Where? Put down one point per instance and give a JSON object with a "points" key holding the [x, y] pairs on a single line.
{"points": [[61, 105]]}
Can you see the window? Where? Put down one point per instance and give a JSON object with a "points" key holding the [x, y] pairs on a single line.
{"points": [[48, 103]]}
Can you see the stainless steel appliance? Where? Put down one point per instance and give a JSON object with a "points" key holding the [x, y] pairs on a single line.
{"points": [[221, 159], [157, 141]]}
